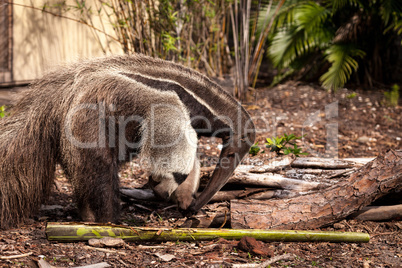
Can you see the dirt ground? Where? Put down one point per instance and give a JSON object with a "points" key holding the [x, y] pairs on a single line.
{"points": [[344, 124]]}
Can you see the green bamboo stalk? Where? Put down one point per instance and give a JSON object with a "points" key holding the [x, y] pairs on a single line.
{"points": [[73, 232]]}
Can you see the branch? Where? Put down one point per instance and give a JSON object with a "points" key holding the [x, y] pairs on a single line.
{"points": [[16, 256], [380, 213], [72, 232]]}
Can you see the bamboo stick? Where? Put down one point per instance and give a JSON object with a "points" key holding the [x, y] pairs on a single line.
{"points": [[72, 232]]}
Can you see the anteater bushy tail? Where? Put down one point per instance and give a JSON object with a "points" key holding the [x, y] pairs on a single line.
{"points": [[27, 162]]}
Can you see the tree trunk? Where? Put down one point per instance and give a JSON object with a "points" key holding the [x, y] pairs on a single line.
{"points": [[330, 205]]}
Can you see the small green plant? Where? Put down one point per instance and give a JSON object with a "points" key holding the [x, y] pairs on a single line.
{"points": [[254, 149], [159, 217], [278, 145], [388, 118], [351, 95], [2, 111], [392, 97]]}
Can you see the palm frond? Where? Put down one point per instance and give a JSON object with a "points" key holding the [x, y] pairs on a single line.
{"points": [[337, 5], [398, 27], [311, 15], [285, 46], [285, 16], [389, 8], [342, 65], [308, 31]]}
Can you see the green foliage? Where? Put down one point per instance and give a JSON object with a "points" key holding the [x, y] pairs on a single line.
{"points": [[342, 65], [334, 38], [278, 145], [254, 149], [190, 32], [392, 97], [2, 111], [351, 95]]}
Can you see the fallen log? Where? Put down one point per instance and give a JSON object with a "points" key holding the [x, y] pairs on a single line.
{"points": [[379, 213], [325, 175], [262, 176], [327, 206], [73, 232], [235, 194], [274, 164], [221, 196], [252, 193], [327, 163], [275, 181], [280, 194]]}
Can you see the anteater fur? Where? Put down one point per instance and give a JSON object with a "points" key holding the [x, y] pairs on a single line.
{"points": [[75, 115]]}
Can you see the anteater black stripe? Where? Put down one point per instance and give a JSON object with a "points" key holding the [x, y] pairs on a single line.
{"points": [[195, 107]]}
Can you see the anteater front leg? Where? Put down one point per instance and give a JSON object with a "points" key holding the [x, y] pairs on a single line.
{"points": [[94, 177], [185, 192]]}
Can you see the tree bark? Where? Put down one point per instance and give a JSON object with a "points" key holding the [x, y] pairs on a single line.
{"points": [[330, 205]]}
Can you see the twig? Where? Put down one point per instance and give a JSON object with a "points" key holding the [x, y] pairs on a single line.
{"points": [[16, 256], [283, 257], [386, 233], [105, 250], [224, 221], [169, 207], [149, 247]]}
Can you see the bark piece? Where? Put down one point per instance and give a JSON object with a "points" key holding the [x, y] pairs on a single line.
{"points": [[314, 210], [106, 242], [250, 244]]}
